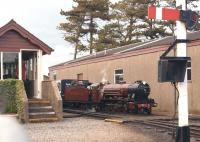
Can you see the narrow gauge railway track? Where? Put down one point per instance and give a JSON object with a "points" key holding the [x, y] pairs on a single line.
{"points": [[90, 114], [168, 125], [163, 124]]}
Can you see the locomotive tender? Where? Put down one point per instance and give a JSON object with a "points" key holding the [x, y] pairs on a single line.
{"points": [[109, 97]]}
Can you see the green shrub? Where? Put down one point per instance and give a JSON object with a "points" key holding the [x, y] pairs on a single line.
{"points": [[11, 91]]}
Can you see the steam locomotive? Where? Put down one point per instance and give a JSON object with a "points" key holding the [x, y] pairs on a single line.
{"points": [[107, 97]]}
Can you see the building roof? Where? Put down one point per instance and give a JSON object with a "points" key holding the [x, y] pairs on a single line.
{"points": [[12, 25], [131, 47]]}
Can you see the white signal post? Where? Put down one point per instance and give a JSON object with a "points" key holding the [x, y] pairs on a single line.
{"points": [[183, 134], [181, 33], [183, 131]]}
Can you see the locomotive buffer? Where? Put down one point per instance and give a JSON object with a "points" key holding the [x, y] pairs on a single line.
{"points": [[184, 18]]}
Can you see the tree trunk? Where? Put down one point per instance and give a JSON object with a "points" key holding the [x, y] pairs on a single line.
{"points": [[75, 51], [130, 30], [91, 35]]}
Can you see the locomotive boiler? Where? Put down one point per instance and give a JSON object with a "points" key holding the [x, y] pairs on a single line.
{"points": [[109, 97], [128, 97]]}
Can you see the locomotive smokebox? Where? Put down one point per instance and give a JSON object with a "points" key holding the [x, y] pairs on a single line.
{"points": [[139, 90]]}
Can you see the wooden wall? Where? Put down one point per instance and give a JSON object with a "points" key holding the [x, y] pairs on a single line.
{"points": [[12, 41]]}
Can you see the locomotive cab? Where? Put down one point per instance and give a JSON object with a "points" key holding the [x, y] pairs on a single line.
{"points": [[138, 100], [139, 91]]}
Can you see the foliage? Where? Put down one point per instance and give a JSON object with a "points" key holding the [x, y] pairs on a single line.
{"points": [[125, 22], [131, 15], [108, 37], [94, 10], [81, 21], [129, 24], [12, 91], [73, 27]]}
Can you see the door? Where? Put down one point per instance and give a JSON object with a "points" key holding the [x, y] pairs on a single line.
{"points": [[80, 76], [29, 72]]}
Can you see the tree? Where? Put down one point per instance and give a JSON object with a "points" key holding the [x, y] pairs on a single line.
{"points": [[94, 10], [73, 28], [130, 16], [126, 14], [106, 25], [108, 37]]}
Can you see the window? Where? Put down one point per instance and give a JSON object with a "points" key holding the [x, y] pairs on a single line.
{"points": [[10, 65], [189, 74], [118, 77]]}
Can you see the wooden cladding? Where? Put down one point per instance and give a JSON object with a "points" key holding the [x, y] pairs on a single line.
{"points": [[12, 41]]}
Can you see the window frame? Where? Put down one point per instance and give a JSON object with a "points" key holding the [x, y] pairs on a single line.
{"points": [[190, 72], [2, 63], [121, 74]]}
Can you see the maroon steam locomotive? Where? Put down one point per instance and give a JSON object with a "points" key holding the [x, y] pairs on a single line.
{"points": [[109, 97]]}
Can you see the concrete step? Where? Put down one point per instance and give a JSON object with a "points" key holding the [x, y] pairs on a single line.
{"points": [[40, 109], [35, 115], [38, 102], [39, 120]]}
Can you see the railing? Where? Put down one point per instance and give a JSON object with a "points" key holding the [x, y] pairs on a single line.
{"points": [[50, 91]]}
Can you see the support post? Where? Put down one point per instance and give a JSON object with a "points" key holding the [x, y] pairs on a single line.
{"points": [[183, 131], [39, 73], [20, 65]]}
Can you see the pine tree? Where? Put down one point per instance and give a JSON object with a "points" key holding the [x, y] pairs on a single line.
{"points": [[131, 17], [125, 14], [108, 37], [73, 28], [94, 10], [128, 23]]}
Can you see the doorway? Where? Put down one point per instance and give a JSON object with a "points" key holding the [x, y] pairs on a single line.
{"points": [[29, 73], [80, 76]]}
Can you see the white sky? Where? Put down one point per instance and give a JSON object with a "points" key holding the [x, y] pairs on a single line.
{"points": [[41, 17]]}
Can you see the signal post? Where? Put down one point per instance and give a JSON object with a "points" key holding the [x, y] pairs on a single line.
{"points": [[183, 131], [183, 18]]}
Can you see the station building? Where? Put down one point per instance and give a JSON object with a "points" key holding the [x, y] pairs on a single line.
{"points": [[21, 57], [137, 62]]}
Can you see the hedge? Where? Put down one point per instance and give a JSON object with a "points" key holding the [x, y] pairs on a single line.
{"points": [[11, 92]]}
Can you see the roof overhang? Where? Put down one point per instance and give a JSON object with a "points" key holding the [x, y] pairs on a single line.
{"points": [[12, 25]]}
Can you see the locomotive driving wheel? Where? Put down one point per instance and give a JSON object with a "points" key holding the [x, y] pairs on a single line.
{"points": [[126, 109]]}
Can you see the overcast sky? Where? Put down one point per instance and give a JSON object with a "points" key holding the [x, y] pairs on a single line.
{"points": [[41, 17]]}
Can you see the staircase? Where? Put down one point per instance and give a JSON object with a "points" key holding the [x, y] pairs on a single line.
{"points": [[40, 110]]}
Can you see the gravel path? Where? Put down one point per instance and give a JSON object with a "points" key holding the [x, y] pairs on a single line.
{"points": [[90, 130]]}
